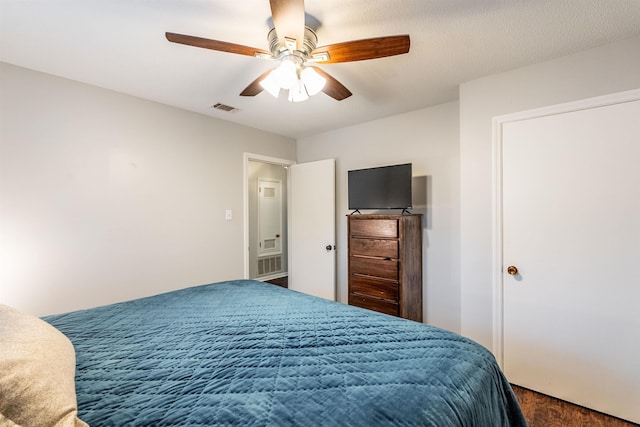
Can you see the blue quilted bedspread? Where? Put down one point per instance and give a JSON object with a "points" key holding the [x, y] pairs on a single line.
{"points": [[245, 353]]}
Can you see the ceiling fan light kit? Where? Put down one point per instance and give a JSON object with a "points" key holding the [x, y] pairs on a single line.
{"points": [[302, 82], [294, 45]]}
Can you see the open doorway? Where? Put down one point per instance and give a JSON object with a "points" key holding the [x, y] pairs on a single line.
{"points": [[266, 182]]}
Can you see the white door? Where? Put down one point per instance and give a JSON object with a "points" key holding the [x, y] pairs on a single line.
{"points": [[269, 217], [571, 226], [312, 228]]}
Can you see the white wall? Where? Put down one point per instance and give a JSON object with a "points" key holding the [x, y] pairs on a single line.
{"points": [[595, 72], [428, 139], [106, 197]]}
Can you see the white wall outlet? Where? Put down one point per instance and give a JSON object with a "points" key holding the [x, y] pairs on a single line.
{"points": [[228, 215]]}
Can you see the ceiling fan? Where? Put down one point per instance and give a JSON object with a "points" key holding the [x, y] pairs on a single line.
{"points": [[294, 45]]}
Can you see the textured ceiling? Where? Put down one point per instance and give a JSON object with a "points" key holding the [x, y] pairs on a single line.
{"points": [[120, 45]]}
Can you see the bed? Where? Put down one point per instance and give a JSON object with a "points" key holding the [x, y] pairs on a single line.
{"points": [[253, 354]]}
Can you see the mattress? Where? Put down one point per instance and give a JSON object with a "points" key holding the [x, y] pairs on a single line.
{"points": [[254, 354]]}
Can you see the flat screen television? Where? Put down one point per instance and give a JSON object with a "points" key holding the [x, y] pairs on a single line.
{"points": [[385, 187]]}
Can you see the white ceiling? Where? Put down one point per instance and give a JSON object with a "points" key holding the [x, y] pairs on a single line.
{"points": [[120, 45]]}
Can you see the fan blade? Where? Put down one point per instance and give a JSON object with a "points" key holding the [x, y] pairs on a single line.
{"points": [[215, 45], [254, 88], [288, 20], [332, 87], [358, 50]]}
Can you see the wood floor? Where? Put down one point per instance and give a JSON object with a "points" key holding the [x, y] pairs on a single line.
{"points": [[282, 281], [545, 411]]}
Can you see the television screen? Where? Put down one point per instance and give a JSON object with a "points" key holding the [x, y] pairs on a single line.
{"points": [[386, 187]]}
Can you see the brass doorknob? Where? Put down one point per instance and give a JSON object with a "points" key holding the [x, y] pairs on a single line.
{"points": [[512, 270]]}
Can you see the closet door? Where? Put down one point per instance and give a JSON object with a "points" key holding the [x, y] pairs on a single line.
{"points": [[571, 228]]}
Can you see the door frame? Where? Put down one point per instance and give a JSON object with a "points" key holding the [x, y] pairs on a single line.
{"points": [[498, 123], [247, 157]]}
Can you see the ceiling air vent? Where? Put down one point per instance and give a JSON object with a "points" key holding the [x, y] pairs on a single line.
{"points": [[224, 107]]}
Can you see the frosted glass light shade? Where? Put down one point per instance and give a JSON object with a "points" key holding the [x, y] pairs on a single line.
{"points": [[287, 74], [298, 93], [270, 84], [313, 81]]}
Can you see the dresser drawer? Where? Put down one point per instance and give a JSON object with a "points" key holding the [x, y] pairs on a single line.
{"points": [[374, 247], [374, 227], [374, 304], [386, 269], [371, 286]]}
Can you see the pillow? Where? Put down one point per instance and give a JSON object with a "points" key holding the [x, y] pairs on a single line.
{"points": [[37, 370]]}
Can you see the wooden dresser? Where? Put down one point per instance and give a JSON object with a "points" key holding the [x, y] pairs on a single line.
{"points": [[385, 264]]}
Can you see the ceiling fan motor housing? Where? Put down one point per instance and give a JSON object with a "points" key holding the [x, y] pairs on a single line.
{"points": [[309, 44]]}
